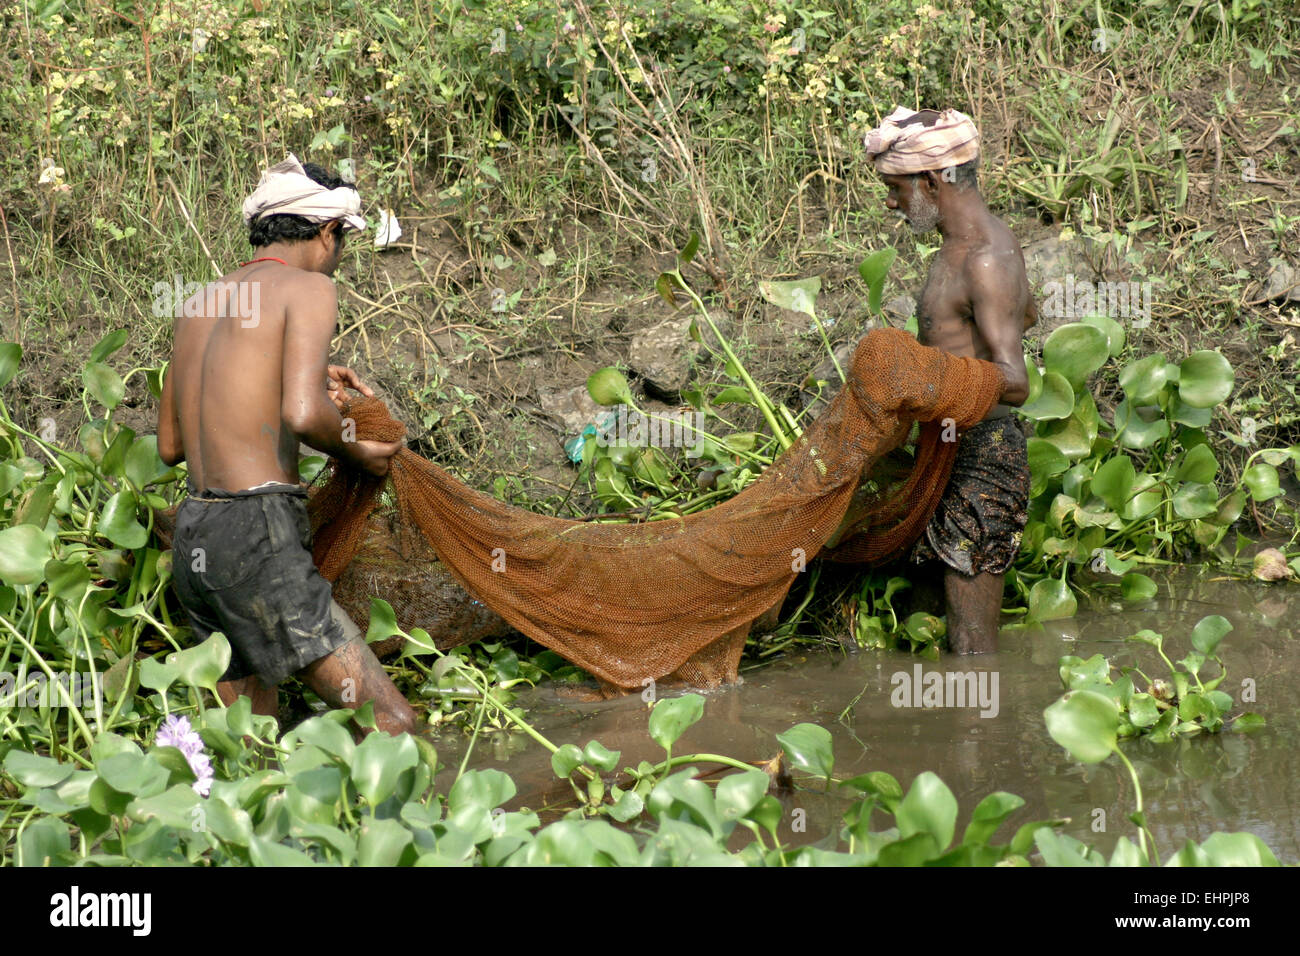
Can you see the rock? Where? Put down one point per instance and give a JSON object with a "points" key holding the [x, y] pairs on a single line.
{"points": [[1053, 259], [572, 407], [1283, 282], [900, 307], [1270, 565], [663, 354]]}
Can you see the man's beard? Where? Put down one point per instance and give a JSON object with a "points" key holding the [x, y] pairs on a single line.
{"points": [[924, 216]]}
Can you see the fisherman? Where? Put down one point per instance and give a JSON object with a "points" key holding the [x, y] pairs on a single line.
{"points": [[976, 302], [248, 381]]}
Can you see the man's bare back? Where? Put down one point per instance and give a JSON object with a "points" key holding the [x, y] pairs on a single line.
{"points": [[245, 389]]}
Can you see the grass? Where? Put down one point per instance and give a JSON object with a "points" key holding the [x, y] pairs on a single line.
{"points": [[483, 160]]}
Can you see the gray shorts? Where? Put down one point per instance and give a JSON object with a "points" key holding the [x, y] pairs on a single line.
{"points": [[242, 566]]}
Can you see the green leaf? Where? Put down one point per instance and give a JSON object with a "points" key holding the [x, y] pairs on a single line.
{"points": [[104, 384], [381, 842], [45, 842], [203, 664], [989, 814], [173, 808], [1075, 351], [143, 465], [107, 345], [1142, 710], [383, 622], [1238, 849], [378, 761], [798, 296], [1204, 379], [264, 852], [883, 786], [117, 522], [1247, 722], [1045, 462], [1198, 465], [929, 807], [1209, 631], [1113, 481], [1060, 850], [808, 747], [24, 551], [34, 770], [1051, 599], [1136, 587], [692, 246], [11, 354], [608, 387], [1113, 331], [134, 774], [1142, 380], [1261, 480], [566, 760], [672, 716], [599, 757], [873, 271], [1195, 501], [665, 285], [1069, 435], [1134, 430], [627, 806], [734, 395], [1085, 723], [739, 793], [1056, 400]]}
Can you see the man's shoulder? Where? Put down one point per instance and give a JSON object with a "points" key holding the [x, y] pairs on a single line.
{"points": [[999, 252]]}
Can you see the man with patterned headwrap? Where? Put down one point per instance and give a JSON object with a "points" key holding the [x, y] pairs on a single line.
{"points": [[248, 381], [976, 302]]}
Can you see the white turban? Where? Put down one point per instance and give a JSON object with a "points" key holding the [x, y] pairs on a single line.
{"points": [[286, 190], [901, 148]]}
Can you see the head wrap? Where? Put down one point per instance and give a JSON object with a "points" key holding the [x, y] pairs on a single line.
{"points": [[901, 148], [286, 190]]}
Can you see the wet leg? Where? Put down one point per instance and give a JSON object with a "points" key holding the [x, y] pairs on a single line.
{"points": [[974, 605], [351, 674], [265, 699]]}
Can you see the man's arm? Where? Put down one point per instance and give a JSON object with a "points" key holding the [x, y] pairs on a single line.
{"points": [[999, 316], [305, 405], [170, 448]]}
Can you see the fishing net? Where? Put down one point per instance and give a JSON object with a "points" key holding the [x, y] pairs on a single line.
{"points": [[675, 598]]}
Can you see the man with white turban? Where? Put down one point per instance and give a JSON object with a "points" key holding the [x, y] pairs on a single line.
{"points": [[249, 381], [976, 302]]}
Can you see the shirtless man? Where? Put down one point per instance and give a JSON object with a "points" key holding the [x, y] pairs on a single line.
{"points": [[248, 381], [976, 302]]}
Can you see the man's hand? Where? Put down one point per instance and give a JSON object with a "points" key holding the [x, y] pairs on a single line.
{"points": [[373, 457], [340, 376]]}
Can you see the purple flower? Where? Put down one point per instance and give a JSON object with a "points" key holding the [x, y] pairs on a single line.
{"points": [[177, 732]]}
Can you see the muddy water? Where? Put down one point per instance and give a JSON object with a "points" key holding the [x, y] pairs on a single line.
{"points": [[1192, 786]]}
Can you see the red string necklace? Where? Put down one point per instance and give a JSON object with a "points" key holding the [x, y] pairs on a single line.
{"points": [[264, 259]]}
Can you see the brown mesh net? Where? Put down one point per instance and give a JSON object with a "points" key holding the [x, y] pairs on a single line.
{"points": [[675, 598]]}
